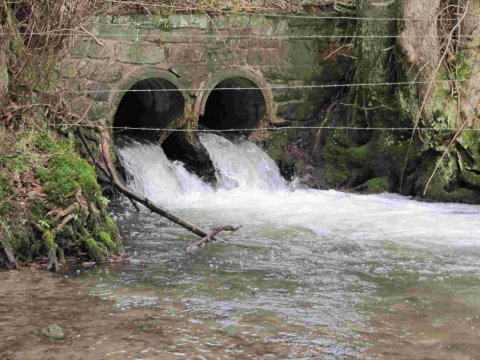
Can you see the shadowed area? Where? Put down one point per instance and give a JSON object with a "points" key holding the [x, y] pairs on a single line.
{"points": [[234, 109], [156, 109]]}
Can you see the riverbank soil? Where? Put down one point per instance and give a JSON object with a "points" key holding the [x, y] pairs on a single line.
{"points": [[95, 328]]}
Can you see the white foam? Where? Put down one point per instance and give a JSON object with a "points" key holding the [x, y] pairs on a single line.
{"points": [[251, 192]]}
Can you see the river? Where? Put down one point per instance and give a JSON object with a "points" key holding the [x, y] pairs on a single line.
{"points": [[309, 275]]}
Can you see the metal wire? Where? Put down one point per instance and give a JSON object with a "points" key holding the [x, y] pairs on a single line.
{"points": [[280, 128], [281, 87], [226, 37]]}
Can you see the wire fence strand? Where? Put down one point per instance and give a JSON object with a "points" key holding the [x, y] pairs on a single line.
{"points": [[79, 33], [268, 128], [275, 87]]}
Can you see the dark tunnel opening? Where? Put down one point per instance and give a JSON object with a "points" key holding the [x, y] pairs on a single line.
{"points": [[234, 109], [142, 108]]}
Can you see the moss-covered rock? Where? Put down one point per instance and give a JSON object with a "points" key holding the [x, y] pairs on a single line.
{"points": [[375, 186]]}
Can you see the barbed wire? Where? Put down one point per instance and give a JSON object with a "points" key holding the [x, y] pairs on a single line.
{"points": [[79, 33], [275, 87], [269, 128]]}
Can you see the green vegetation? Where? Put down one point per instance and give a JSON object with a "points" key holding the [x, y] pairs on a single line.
{"points": [[50, 200]]}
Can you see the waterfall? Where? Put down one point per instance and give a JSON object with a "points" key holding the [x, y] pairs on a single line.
{"points": [[251, 191], [242, 164], [239, 164], [151, 173]]}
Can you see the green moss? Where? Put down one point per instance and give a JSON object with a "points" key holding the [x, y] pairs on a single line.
{"points": [[111, 225], [335, 176], [359, 154], [66, 172], [276, 148], [6, 190], [376, 185], [463, 65], [96, 251], [44, 142], [106, 240], [49, 241]]}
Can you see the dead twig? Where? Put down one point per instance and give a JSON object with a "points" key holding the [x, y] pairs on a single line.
{"points": [[211, 237]]}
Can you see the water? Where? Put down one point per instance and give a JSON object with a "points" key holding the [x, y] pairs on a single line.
{"points": [[305, 263]]}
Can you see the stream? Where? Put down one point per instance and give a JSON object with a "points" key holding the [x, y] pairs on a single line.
{"points": [[309, 271]]}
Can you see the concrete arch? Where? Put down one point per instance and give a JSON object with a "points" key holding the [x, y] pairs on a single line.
{"points": [[129, 80], [234, 72]]}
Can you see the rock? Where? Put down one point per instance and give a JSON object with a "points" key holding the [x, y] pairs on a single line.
{"points": [[87, 265], [53, 332]]}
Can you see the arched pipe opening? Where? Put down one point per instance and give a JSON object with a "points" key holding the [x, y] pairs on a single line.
{"points": [[238, 98], [156, 103], [153, 103], [234, 103]]}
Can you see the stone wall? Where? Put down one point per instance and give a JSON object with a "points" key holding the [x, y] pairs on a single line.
{"points": [[197, 52]]}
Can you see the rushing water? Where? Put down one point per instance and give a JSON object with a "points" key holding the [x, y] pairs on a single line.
{"points": [[309, 258]]}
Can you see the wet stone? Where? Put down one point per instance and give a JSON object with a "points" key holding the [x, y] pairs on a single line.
{"points": [[53, 332]]}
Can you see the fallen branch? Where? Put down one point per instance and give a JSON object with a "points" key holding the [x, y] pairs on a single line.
{"points": [[118, 183], [211, 237]]}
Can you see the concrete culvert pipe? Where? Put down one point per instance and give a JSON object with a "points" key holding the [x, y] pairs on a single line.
{"points": [[159, 108], [229, 108]]}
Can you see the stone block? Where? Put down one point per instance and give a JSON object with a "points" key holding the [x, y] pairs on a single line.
{"points": [[270, 28], [264, 57], [258, 43], [228, 22], [179, 21], [187, 36], [140, 53], [110, 73], [186, 54], [116, 32], [90, 50]]}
